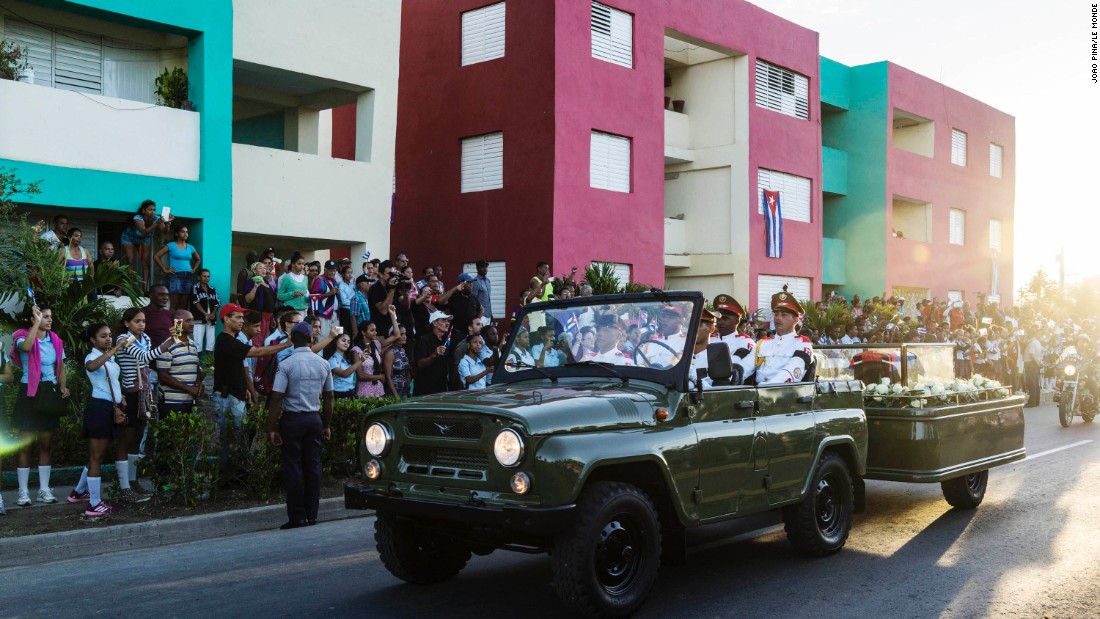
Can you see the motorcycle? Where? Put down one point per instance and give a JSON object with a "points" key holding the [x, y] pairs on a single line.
{"points": [[1073, 390]]}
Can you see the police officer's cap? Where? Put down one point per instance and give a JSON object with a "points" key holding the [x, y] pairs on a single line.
{"points": [[606, 320], [784, 300]]}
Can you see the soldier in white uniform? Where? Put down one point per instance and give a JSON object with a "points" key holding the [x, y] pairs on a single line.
{"points": [[786, 357], [608, 336], [742, 347], [699, 359], [671, 333]]}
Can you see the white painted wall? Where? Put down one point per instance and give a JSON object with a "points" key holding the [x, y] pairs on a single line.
{"points": [[289, 194], [76, 130]]}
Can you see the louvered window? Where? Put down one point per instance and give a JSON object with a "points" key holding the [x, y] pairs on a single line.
{"points": [[483, 34], [995, 234], [499, 285], [782, 91], [957, 222], [620, 270], [958, 147], [612, 35], [767, 285], [610, 162], [996, 160], [794, 193], [39, 44], [483, 162]]}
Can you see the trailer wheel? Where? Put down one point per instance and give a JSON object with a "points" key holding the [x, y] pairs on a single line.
{"points": [[966, 492]]}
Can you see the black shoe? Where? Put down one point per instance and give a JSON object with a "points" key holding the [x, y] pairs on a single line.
{"points": [[310, 523], [294, 524]]}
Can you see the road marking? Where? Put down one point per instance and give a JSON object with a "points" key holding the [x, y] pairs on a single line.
{"points": [[1057, 449]]}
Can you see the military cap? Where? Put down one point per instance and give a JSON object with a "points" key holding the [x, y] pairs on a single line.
{"points": [[784, 300], [726, 304]]}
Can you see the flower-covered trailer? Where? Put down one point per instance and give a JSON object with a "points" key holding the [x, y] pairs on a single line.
{"points": [[924, 423]]}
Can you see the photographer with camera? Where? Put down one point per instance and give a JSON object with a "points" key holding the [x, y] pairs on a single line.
{"points": [[390, 282]]}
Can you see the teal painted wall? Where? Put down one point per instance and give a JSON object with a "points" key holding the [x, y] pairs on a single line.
{"points": [[834, 171], [858, 218], [833, 262], [209, 26], [268, 131]]}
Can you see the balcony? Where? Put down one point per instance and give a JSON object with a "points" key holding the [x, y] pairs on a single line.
{"points": [[676, 243], [677, 138], [81, 130], [834, 171], [277, 192]]}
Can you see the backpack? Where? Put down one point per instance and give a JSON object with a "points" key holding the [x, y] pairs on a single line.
{"points": [[264, 373]]}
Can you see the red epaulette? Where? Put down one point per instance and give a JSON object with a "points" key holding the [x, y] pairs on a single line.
{"points": [[803, 338]]}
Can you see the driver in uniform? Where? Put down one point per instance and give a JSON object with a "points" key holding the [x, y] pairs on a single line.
{"points": [[670, 332], [742, 347], [786, 357], [608, 336]]}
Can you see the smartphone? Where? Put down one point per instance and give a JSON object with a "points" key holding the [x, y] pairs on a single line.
{"points": [[177, 328], [166, 213], [339, 330]]}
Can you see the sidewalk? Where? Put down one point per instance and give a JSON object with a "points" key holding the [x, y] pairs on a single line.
{"points": [[103, 537]]}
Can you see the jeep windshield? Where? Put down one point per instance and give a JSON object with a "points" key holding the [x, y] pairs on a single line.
{"points": [[620, 336]]}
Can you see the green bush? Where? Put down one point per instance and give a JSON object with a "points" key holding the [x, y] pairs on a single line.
{"points": [[340, 455], [253, 456], [183, 455], [602, 278]]}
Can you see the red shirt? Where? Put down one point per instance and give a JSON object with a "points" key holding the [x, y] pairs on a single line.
{"points": [[158, 324]]}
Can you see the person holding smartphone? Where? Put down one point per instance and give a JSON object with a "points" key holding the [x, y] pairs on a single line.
{"points": [[204, 309]]}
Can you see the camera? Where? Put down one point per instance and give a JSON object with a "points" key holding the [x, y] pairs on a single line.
{"points": [[400, 282]]}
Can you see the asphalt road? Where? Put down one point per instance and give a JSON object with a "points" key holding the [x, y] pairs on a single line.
{"points": [[1031, 550]]}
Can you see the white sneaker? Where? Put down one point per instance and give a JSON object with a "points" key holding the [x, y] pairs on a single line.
{"points": [[24, 499], [45, 495]]}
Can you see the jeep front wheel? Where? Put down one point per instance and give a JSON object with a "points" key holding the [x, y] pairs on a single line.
{"points": [[606, 563], [417, 556], [820, 523]]}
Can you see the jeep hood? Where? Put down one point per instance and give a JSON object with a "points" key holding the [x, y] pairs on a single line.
{"points": [[547, 409]]}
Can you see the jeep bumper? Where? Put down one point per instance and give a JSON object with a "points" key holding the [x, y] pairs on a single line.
{"points": [[529, 520]]}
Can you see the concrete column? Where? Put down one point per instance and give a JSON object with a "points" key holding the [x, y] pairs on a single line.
{"points": [[364, 126], [301, 129]]}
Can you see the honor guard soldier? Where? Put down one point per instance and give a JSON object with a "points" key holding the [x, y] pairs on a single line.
{"points": [[742, 347], [699, 358], [786, 357]]}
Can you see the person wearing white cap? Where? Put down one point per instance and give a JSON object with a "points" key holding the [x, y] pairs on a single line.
{"points": [[431, 355]]}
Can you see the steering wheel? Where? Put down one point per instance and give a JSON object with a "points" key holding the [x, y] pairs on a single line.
{"points": [[645, 361]]}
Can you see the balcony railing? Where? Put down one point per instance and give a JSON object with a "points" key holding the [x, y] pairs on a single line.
{"points": [[76, 130], [677, 138]]}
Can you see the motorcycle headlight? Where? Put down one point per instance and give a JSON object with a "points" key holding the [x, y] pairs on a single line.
{"points": [[508, 447], [378, 439], [1070, 370]]}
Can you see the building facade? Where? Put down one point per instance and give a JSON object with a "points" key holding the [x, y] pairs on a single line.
{"points": [[919, 177], [546, 130]]}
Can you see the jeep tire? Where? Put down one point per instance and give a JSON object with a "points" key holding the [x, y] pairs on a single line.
{"points": [[966, 492], [819, 525], [415, 555], [605, 564]]}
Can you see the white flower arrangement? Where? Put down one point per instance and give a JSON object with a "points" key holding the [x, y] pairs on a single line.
{"points": [[934, 393]]}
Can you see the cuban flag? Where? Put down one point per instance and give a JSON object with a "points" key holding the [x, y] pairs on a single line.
{"points": [[773, 223]]}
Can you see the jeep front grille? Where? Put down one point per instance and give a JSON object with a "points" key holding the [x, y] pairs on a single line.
{"points": [[438, 428], [443, 462]]}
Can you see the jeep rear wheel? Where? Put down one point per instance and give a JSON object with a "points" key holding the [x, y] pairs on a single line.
{"points": [[415, 555], [966, 492], [819, 525], [606, 563]]}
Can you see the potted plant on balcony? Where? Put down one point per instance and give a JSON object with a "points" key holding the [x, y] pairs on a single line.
{"points": [[14, 62], [173, 88]]}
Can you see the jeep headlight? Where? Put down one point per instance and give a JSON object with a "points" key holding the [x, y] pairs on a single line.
{"points": [[378, 439], [508, 447], [1070, 369]]}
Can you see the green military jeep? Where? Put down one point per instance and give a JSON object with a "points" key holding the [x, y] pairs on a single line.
{"points": [[599, 453]]}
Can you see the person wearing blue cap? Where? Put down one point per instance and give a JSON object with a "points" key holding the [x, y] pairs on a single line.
{"points": [[463, 305], [300, 417]]}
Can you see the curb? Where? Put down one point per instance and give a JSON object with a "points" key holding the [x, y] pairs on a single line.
{"points": [[50, 547]]}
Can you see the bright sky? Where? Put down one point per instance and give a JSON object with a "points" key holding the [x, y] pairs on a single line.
{"points": [[1031, 60]]}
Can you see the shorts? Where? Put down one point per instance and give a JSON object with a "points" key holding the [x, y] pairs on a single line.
{"points": [[344, 395], [131, 410], [131, 236], [26, 420], [99, 420], [180, 283]]}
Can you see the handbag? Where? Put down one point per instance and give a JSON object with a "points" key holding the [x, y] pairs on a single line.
{"points": [[147, 405], [47, 401]]}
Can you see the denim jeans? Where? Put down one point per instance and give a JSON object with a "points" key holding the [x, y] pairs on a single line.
{"points": [[225, 407]]}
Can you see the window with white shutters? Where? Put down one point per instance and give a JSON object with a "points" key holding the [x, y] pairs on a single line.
{"points": [[794, 193], [767, 285], [782, 91], [995, 234], [958, 227], [958, 147], [78, 62], [483, 34], [612, 35], [621, 271], [483, 162], [39, 44], [498, 293], [610, 162], [996, 160]]}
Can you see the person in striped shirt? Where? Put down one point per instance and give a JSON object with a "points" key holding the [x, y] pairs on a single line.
{"points": [[178, 369]]}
